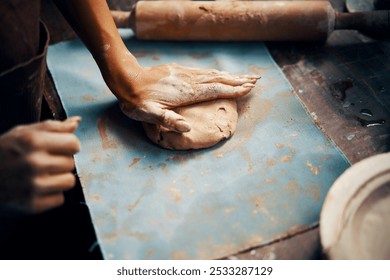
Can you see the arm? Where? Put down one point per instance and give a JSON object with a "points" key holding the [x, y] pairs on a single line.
{"points": [[147, 93]]}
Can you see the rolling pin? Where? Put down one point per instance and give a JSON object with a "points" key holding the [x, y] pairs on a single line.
{"points": [[244, 20]]}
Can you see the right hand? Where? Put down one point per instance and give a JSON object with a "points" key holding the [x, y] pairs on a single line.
{"points": [[37, 163], [151, 93]]}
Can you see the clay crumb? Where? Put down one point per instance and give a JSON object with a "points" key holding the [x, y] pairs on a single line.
{"points": [[315, 170], [135, 161]]}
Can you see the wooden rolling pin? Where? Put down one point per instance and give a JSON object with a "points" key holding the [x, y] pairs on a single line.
{"points": [[244, 20]]}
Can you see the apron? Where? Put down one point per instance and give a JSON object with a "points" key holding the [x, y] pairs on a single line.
{"points": [[22, 84]]}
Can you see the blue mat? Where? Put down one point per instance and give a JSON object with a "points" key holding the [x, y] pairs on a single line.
{"points": [[269, 180]]}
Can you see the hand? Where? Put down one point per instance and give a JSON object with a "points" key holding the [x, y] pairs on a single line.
{"points": [[150, 94], [37, 163], [147, 94]]}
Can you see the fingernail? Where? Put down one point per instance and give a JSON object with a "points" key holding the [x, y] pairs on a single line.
{"points": [[252, 76], [74, 119], [183, 126], [248, 85]]}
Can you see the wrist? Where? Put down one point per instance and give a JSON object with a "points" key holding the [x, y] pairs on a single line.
{"points": [[120, 70]]}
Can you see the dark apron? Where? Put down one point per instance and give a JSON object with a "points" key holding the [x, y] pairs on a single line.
{"points": [[21, 85]]}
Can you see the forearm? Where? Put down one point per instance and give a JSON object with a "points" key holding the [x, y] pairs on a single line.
{"points": [[92, 21]]}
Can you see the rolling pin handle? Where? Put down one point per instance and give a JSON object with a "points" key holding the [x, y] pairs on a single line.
{"points": [[372, 23], [123, 19]]}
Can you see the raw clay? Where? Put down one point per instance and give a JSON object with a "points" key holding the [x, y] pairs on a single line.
{"points": [[211, 122]]}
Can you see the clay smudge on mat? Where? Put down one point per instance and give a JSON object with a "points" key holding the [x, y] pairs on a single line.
{"points": [[271, 162], [136, 202], [89, 98], [288, 157], [134, 162], [106, 142], [256, 69], [96, 197], [314, 169], [164, 167], [181, 158]]}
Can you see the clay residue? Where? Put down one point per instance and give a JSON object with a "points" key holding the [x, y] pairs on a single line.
{"points": [[270, 180], [106, 142], [140, 54], [96, 197], [139, 235], [229, 210], [181, 158], [170, 215], [89, 98], [85, 178], [315, 191], [314, 169], [149, 253], [271, 162], [256, 69], [256, 200], [248, 158], [132, 206], [110, 235], [175, 194], [279, 145], [201, 55], [292, 186], [286, 158], [164, 167], [97, 158], [135, 161], [203, 8], [289, 157]]}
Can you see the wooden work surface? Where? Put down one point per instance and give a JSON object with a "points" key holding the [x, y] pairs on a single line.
{"points": [[344, 85]]}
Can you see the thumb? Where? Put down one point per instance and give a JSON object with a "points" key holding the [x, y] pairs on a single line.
{"points": [[173, 121], [152, 113], [67, 126]]}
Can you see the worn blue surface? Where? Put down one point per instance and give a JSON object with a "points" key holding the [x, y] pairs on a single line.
{"points": [[267, 181]]}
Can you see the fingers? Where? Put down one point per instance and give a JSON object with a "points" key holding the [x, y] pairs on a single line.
{"points": [[42, 203], [50, 184], [58, 143], [211, 91], [45, 163], [173, 121], [168, 119], [227, 79], [53, 136], [152, 113], [67, 126]]}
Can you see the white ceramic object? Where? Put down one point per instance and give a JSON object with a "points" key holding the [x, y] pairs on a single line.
{"points": [[355, 217], [359, 5]]}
